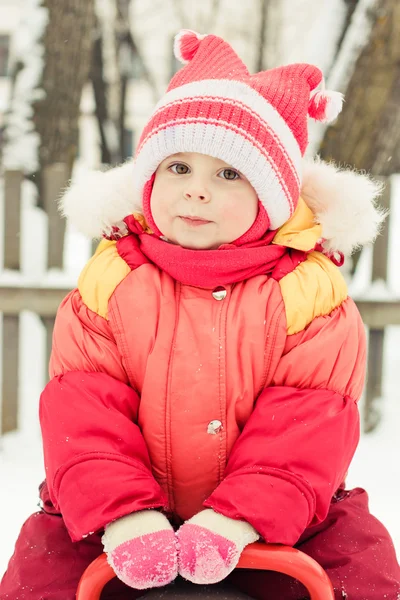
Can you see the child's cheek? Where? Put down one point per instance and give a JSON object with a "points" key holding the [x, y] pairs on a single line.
{"points": [[233, 214]]}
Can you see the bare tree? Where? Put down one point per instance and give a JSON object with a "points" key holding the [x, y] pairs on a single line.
{"points": [[52, 59], [115, 58], [68, 43], [367, 134], [264, 5], [56, 59]]}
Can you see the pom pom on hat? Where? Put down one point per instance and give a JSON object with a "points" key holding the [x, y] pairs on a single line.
{"points": [[186, 44], [325, 105]]}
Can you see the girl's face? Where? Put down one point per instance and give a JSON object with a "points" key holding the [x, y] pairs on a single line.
{"points": [[200, 202]]}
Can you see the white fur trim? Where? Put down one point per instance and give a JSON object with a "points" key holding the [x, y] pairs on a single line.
{"points": [[99, 201], [344, 203]]}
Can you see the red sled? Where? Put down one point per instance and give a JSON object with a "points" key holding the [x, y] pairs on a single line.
{"points": [[271, 557]]}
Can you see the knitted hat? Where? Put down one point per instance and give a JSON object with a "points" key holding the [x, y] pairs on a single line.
{"points": [[255, 123]]}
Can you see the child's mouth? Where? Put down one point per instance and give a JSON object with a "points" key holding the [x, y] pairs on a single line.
{"points": [[194, 221]]}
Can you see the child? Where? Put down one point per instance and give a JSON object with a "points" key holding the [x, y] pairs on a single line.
{"points": [[206, 372]]}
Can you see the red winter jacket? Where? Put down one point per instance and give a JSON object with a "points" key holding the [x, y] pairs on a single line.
{"points": [[173, 396]]}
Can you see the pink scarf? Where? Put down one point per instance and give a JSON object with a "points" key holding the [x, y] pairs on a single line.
{"points": [[208, 268]]}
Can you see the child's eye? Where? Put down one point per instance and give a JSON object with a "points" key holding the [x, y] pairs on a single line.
{"points": [[179, 168], [229, 174]]}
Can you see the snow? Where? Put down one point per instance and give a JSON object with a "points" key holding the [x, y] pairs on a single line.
{"points": [[356, 38], [21, 149], [321, 24], [376, 465], [378, 291]]}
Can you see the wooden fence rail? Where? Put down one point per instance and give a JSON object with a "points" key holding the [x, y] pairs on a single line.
{"points": [[13, 300], [377, 316], [44, 301]]}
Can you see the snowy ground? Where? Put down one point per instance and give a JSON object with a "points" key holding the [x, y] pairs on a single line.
{"points": [[375, 466]]}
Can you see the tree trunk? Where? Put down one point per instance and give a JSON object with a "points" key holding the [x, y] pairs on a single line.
{"points": [[68, 42], [111, 65], [367, 132], [100, 95], [113, 62], [262, 34]]}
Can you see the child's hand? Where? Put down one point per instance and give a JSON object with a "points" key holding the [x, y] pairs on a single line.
{"points": [[210, 545], [142, 549]]}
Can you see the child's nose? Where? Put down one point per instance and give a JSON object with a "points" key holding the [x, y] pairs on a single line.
{"points": [[197, 194]]}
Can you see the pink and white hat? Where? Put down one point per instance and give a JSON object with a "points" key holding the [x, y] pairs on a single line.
{"points": [[255, 123]]}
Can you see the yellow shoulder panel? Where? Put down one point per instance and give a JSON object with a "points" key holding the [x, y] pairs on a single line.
{"points": [[312, 290], [300, 231], [98, 280]]}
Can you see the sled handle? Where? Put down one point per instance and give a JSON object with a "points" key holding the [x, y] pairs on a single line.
{"points": [[271, 557]]}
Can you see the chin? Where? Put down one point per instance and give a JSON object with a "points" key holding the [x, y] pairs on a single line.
{"points": [[192, 245], [197, 247]]}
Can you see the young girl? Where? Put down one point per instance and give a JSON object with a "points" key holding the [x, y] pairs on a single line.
{"points": [[206, 371]]}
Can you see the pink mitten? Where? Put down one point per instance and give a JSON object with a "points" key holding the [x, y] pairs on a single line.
{"points": [[141, 548], [210, 545]]}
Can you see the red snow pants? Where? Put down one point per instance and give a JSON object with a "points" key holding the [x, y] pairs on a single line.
{"points": [[352, 546]]}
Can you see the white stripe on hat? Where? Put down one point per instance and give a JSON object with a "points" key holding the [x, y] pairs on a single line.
{"points": [[203, 146], [233, 103], [227, 145], [225, 89]]}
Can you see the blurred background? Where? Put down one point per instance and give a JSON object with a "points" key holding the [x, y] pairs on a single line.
{"points": [[78, 80]]}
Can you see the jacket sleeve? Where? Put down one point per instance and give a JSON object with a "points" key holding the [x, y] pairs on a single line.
{"points": [[97, 464], [296, 447]]}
